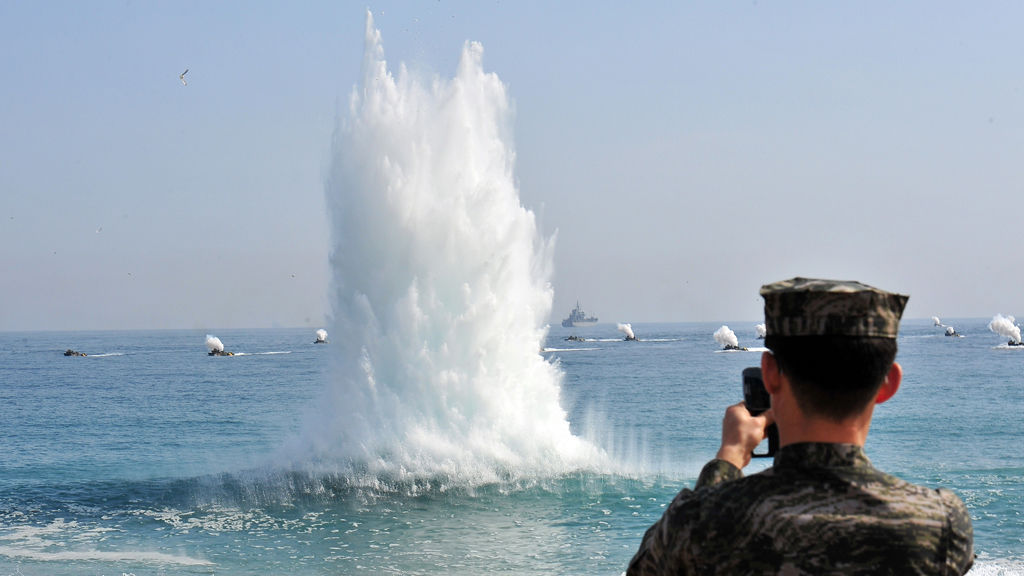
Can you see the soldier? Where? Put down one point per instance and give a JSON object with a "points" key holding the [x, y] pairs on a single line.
{"points": [[822, 508]]}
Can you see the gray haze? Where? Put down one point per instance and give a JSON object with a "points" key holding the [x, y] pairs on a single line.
{"points": [[683, 153]]}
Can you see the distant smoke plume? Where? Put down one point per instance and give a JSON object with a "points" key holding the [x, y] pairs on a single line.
{"points": [[726, 337], [214, 344], [627, 330], [1005, 326]]}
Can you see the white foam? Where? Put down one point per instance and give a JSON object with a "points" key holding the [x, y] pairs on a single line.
{"points": [[100, 555], [1005, 567], [63, 541]]}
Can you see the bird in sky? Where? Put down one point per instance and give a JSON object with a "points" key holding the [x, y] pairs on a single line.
{"points": [[182, 77]]}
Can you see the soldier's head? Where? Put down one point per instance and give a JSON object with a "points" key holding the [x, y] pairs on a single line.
{"points": [[834, 340]]}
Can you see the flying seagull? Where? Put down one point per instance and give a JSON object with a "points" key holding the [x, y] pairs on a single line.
{"points": [[182, 77]]}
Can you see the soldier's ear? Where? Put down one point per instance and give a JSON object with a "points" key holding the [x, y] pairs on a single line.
{"points": [[770, 373], [890, 384]]}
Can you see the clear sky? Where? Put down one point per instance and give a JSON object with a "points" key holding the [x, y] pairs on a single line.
{"points": [[685, 153]]}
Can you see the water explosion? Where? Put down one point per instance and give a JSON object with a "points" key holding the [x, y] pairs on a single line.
{"points": [[441, 288]]}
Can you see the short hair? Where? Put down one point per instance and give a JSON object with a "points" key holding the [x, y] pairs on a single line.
{"points": [[834, 377]]}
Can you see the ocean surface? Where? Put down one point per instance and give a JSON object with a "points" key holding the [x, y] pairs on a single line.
{"points": [[150, 457]]}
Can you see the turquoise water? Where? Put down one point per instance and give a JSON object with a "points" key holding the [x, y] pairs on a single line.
{"points": [[149, 457]]}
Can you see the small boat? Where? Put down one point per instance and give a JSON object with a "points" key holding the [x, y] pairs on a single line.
{"points": [[578, 318]]}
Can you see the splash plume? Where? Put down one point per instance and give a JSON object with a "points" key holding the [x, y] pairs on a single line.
{"points": [[441, 288]]}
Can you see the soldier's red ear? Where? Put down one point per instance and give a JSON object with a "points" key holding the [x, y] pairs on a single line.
{"points": [[890, 384], [770, 373]]}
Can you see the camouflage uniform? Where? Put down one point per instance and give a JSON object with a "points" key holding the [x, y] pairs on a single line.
{"points": [[821, 509], [811, 307]]}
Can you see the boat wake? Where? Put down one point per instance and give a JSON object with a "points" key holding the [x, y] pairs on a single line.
{"points": [[570, 349]]}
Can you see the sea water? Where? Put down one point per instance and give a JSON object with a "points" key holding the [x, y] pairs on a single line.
{"points": [[150, 457]]}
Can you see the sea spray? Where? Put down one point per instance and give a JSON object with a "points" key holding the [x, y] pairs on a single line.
{"points": [[441, 289]]}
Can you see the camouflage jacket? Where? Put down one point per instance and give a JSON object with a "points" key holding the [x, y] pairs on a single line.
{"points": [[821, 509]]}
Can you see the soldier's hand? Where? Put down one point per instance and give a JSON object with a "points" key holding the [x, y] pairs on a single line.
{"points": [[741, 433]]}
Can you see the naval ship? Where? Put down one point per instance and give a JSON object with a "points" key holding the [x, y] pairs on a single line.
{"points": [[578, 318]]}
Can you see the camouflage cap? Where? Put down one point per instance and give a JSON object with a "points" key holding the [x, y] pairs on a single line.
{"points": [[813, 307]]}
